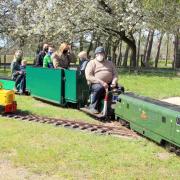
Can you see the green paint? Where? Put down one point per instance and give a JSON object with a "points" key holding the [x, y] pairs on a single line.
{"points": [[76, 88], [57, 85], [7, 84], [45, 83], [153, 120]]}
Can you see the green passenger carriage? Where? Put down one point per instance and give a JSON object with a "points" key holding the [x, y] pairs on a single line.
{"points": [[59, 86]]}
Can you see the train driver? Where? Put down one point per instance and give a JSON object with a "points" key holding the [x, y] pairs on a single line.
{"points": [[100, 74]]}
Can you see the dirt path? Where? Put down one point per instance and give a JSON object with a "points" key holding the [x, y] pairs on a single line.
{"points": [[9, 172]]}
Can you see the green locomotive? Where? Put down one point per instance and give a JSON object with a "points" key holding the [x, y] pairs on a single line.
{"points": [[157, 120]]}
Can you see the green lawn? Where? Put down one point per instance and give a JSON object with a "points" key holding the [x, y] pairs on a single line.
{"points": [[155, 85], [69, 154], [28, 104]]}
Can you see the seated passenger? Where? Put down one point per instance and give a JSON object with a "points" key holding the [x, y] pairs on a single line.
{"points": [[63, 57], [100, 74], [83, 60], [41, 55], [20, 84], [23, 67], [47, 61], [15, 64]]}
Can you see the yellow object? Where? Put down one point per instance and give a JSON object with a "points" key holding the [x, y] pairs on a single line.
{"points": [[6, 97]]}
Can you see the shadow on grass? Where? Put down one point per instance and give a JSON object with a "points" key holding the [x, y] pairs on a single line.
{"points": [[23, 113], [61, 105]]}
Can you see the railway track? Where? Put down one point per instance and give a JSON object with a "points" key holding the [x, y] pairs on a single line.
{"points": [[113, 129], [83, 126]]}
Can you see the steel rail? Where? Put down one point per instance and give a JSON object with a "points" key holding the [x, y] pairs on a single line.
{"points": [[83, 126]]}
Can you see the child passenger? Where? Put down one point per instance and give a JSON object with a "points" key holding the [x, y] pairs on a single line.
{"points": [[47, 61], [23, 67]]}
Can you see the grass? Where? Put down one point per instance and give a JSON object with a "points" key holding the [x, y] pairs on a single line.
{"points": [[68, 154], [155, 85], [6, 73], [31, 105], [162, 63]]}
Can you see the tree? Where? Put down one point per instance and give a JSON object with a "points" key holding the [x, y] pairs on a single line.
{"points": [[110, 20], [177, 50], [162, 14], [126, 54], [7, 18], [150, 43], [158, 50], [167, 50], [64, 19], [138, 49], [119, 58], [145, 50]]}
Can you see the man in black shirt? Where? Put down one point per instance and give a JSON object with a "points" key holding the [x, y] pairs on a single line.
{"points": [[41, 55]]}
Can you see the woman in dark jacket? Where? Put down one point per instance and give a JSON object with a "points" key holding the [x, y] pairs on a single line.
{"points": [[16, 63], [15, 68]]}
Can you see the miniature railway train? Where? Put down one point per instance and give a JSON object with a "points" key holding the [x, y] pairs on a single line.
{"points": [[156, 120]]}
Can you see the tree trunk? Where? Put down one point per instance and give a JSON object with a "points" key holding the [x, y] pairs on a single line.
{"points": [[81, 43], [128, 40], [108, 46], [113, 51], [126, 56], [138, 49], [21, 42], [114, 54], [90, 45], [158, 51], [119, 58], [133, 55], [167, 50], [132, 45], [97, 43], [177, 51], [145, 49], [5, 62], [148, 54]]}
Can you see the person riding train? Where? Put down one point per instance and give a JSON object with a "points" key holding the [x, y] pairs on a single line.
{"points": [[17, 71], [83, 60], [41, 55], [63, 57], [100, 74], [47, 61]]}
